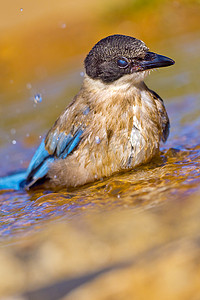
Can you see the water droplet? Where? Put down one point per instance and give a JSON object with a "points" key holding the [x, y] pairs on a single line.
{"points": [[21, 9], [28, 86], [14, 142], [38, 98], [40, 136], [97, 139], [118, 196], [13, 131]]}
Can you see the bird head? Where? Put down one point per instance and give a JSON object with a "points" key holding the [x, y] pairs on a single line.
{"points": [[118, 55]]}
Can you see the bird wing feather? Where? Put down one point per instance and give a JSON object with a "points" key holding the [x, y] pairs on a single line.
{"points": [[57, 145]]}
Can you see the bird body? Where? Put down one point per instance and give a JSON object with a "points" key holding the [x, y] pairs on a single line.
{"points": [[114, 123], [122, 129]]}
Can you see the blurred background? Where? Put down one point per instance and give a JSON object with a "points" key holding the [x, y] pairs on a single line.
{"points": [[155, 225], [40, 39]]}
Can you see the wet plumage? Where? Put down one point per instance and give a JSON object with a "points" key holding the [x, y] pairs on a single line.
{"points": [[114, 123]]}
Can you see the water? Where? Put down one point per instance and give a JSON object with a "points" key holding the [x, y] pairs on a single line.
{"points": [[171, 176], [38, 98]]}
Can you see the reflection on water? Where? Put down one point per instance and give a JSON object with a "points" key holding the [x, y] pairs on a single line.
{"points": [[171, 176]]}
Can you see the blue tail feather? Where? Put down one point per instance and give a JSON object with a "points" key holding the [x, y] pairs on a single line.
{"points": [[40, 155], [40, 173], [14, 181], [60, 146]]}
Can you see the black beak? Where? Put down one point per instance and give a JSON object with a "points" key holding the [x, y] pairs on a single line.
{"points": [[153, 60]]}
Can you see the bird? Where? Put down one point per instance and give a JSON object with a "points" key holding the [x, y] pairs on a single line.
{"points": [[114, 123]]}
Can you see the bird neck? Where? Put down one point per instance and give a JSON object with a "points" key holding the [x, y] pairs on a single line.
{"points": [[122, 91], [130, 81]]}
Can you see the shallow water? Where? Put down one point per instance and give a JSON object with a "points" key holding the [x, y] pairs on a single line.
{"points": [[170, 177]]}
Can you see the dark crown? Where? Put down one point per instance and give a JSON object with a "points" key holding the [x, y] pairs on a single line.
{"points": [[108, 49]]}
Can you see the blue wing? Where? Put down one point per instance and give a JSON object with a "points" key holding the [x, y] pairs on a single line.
{"points": [[58, 145]]}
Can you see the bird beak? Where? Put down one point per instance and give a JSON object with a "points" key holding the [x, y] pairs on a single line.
{"points": [[153, 60]]}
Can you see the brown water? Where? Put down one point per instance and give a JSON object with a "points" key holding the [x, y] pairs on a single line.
{"points": [[170, 177]]}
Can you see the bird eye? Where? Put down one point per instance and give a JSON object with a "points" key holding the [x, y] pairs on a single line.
{"points": [[122, 63]]}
